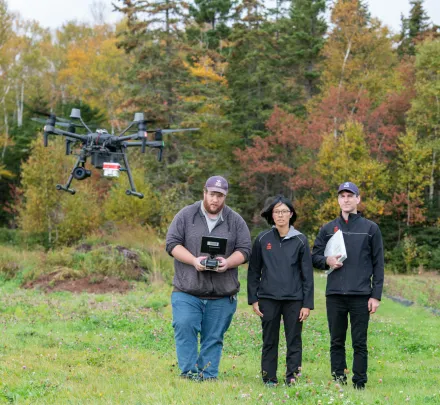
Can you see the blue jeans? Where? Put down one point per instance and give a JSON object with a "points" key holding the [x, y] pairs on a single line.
{"points": [[209, 318]]}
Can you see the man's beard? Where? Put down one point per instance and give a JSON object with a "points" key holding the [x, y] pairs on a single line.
{"points": [[209, 210]]}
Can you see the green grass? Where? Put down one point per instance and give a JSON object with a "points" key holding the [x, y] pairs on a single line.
{"points": [[119, 349]]}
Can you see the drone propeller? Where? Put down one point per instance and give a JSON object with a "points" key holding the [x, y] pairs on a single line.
{"points": [[170, 131], [48, 114], [61, 124]]}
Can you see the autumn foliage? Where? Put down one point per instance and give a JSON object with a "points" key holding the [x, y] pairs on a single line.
{"points": [[285, 104]]}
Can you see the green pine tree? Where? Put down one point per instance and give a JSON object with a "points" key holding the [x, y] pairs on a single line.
{"points": [[300, 46], [252, 77], [154, 36], [413, 27]]}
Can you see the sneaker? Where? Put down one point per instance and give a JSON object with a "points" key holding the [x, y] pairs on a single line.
{"points": [[290, 382], [270, 384], [340, 379], [209, 379], [359, 386], [190, 376]]}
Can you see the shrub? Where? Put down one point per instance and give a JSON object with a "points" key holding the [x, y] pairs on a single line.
{"points": [[8, 236], [119, 207]]}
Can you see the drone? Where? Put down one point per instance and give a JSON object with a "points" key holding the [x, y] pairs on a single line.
{"points": [[106, 151]]}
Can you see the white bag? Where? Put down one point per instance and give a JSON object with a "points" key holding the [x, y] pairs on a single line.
{"points": [[335, 246]]}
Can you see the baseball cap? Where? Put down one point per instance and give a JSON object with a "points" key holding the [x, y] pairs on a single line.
{"points": [[217, 183], [348, 186]]}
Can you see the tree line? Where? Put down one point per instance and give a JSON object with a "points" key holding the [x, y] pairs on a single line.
{"points": [[286, 102]]}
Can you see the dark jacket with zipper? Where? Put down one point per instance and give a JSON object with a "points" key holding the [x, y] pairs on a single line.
{"points": [[281, 268], [362, 272], [187, 229]]}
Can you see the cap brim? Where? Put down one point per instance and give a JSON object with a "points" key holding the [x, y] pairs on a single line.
{"points": [[347, 189], [217, 189]]}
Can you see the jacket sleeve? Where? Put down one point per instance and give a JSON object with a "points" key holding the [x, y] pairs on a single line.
{"points": [[378, 264], [318, 258], [254, 272], [243, 242], [307, 275], [176, 233]]}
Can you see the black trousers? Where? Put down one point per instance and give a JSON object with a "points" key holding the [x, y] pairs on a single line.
{"points": [[272, 311], [338, 309]]}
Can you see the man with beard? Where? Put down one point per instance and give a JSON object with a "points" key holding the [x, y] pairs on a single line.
{"points": [[205, 301]]}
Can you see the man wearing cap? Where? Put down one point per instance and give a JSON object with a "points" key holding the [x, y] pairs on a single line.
{"points": [[205, 301], [354, 287]]}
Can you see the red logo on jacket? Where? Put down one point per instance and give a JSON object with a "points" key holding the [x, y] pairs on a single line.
{"points": [[269, 246], [335, 229]]}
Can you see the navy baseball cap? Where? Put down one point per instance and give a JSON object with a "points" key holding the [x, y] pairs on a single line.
{"points": [[218, 184], [349, 186]]}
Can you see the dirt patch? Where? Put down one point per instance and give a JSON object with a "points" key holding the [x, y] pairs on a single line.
{"points": [[114, 269], [52, 282]]}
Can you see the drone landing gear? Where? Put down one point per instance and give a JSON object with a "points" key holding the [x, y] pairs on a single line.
{"points": [[73, 174], [132, 191], [135, 193], [64, 188]]}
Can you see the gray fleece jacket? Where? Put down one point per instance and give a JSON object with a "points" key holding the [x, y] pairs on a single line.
{"points": [[187, 229]]}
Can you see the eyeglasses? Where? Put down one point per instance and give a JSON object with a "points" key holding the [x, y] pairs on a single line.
{"points": [[282, 212]]}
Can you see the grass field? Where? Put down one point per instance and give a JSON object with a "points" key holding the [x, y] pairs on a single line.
{"points": [[422, 289], [63, 348]]}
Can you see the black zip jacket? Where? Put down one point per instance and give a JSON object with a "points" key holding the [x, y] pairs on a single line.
{"points": [[362, 272], [281, 268]]}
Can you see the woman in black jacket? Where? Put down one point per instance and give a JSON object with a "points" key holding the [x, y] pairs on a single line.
{"points": [[280, 283]]}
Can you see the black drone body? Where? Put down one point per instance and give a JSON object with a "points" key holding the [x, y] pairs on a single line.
{"points": [[106, 151]]}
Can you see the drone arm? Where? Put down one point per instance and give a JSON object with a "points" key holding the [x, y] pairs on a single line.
{"points": [[52, 130], [150, 144], [130, 137]]}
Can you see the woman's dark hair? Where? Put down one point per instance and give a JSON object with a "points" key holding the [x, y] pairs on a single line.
{"points": [[267, 211]]}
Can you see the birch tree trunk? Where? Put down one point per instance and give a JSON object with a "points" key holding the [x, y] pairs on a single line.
{"points": [[20, 102], [347, 54], [5, 114], [432, 180]]}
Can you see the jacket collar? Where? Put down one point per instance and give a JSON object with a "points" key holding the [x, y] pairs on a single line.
{"points": [[351, 217], [292, 232]]}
